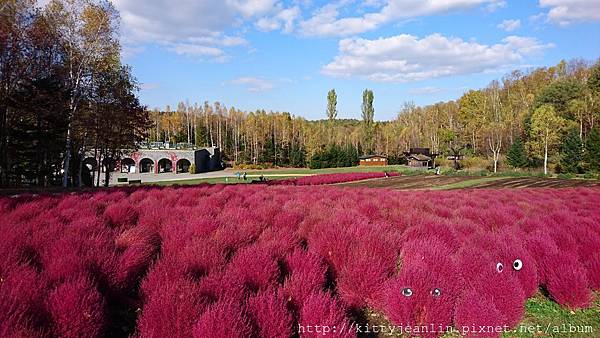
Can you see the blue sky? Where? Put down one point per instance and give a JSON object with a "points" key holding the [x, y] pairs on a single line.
{"points": [[286, 55]]}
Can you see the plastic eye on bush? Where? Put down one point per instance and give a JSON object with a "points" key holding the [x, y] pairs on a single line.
{"points": [[407, 292], [499, 267], [518, 264], [436, 292]]}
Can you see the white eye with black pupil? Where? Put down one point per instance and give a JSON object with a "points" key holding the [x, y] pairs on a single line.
{"points": [[518, 264], [407, 292], [436, 292], [499, 267]]}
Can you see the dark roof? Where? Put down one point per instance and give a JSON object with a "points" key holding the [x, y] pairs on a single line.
{"points": [[370, 156], [419, 157]]}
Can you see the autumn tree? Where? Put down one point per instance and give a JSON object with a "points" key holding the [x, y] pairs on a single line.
{"points": [[495, 123], [368, 113], [87, 31], [545, 132]]}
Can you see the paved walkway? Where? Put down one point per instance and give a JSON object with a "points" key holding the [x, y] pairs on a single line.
{"points": [[172, 177]]}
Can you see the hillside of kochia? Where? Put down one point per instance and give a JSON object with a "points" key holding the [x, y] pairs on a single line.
{"points": [[238, 261], [484, 120]]}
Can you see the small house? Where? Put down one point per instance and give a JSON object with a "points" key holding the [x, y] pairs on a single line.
{"points": [[420, 158], [373, 160]]}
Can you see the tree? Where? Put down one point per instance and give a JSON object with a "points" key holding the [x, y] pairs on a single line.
{"points": [[368, 113], [494, 116], [545, 131], [331, 105], [470, 114], [87, 32], [592, 150], [517, 156], [571, 153]]}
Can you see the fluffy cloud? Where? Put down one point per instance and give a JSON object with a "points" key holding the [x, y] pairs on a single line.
{"points": [[253, 84], [510, 25], [284, 19], [326, 22], [564, 12], [404, 58], [188, 27], [424, 90]]}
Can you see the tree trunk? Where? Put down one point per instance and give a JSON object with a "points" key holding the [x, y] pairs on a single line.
{"points": [[546, 157], [3, 146], [67, 161]]}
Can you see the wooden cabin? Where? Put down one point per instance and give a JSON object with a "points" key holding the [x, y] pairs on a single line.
{"points": [[373, 160], [420, 158]]}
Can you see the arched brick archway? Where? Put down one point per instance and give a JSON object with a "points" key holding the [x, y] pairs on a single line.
{"points": [[183, 166], [165, 165], [146, 165], [128, 166]]}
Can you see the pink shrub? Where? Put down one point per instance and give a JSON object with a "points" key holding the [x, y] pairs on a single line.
{"points": [[306, 275], [255, 268], [475, 313], [332, 178], [426, 288], [121, 214], [197, 259], [171, 311], [567, 281], [76, 309], [320, 309], [270, 315], [21, 300], [224, 319]]}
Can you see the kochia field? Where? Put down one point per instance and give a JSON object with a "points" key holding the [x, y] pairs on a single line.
{"points": [[278, 261]]}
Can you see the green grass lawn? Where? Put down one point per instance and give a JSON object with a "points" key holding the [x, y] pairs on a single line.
{"points": [[281, 174], [545, 318], [215, 180]]}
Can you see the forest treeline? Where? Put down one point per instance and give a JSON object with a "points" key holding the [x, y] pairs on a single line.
{"points": [[526, 114], [65, 95], [63, 92]]}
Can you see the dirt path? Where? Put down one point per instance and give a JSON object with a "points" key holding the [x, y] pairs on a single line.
{"points": [[457, 182]]}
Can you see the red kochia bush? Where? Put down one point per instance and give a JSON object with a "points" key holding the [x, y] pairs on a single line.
{"points": [[77, 309], [567, 281], [320, 309], [21, 300], [258, 260], [426, 288], [172, 310], [305, 276], [270, 315], [255, 268], [332, 178], [224, 319], [121, 214]]}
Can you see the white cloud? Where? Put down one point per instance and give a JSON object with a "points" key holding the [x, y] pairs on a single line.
{"points": [[253, 84], [424, 90], [192, 50], [250, 8], [404, 58], [284, 19], [326, 22], [188, 27], [564, 12], [149, 86], [510, 25]]}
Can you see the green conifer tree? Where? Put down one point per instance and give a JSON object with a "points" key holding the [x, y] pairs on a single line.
{"points": [[517, 156], [571, 153]]}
